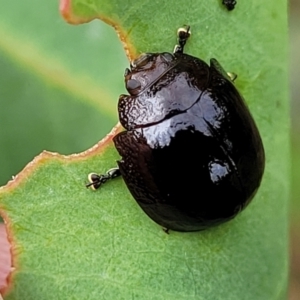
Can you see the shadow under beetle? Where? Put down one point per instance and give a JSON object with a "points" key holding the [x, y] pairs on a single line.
{"points": [[191, 154]]}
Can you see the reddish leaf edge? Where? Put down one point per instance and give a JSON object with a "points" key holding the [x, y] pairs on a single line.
{"points": [[65, 8], [17, 180], [5, 257]]}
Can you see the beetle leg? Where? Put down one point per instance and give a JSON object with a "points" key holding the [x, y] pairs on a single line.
{"points": [[166, 230], [230, 4], [183, 34], [95, 180], [232, 76], [217, 66]]}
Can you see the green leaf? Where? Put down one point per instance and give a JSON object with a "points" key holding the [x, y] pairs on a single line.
{"points": [[56, 90], [72, 243]]}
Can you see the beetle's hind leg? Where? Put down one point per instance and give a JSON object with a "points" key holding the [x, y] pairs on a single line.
{"points": [[183, 34], [217, 66], [96, 180]]}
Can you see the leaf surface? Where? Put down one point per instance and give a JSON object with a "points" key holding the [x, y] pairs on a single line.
{"points": [[72, 243], [59, 84]]}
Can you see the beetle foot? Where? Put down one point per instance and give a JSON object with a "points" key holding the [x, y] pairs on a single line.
{"points": [[183, 34], [166, 230], [230, 4], [95, 180], [232, 76]]}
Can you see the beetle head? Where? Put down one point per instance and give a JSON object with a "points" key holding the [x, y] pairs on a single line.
{"points": [[146, 70]]}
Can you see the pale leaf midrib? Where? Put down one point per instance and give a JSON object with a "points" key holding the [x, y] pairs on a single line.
{"points": [[52, 70]]}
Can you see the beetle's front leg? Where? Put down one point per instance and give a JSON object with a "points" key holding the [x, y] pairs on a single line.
{"points": [[96, 180], [217, 66], [183, 34]]}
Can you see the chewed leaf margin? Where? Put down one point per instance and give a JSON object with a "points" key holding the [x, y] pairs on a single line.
{"points": [[66, 11], [38, 162]]}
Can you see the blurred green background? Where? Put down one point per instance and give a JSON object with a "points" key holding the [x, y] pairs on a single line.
{"points": [[294, 32], [59, 86], [59, 83]]}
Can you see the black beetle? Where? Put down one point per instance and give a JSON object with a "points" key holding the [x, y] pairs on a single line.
{"points": [[192, 156]]}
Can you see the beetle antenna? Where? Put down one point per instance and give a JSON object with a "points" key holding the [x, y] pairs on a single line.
{"points": [[183, 34]]}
